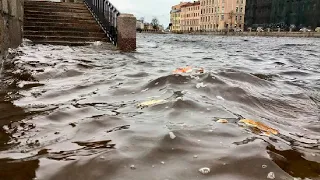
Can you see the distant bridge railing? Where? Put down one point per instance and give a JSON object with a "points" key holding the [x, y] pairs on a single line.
{"points": [[106, 14]]}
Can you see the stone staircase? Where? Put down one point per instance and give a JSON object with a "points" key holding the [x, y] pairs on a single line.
{"points": [[60, 23]]}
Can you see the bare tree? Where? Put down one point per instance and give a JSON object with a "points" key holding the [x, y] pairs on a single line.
{"points": [[155, 23]]}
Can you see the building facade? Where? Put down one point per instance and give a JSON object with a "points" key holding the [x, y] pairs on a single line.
{"points": [[283, 13], [175, 15], [217, 15], [190, 16], [175, 20], [140, 24]]}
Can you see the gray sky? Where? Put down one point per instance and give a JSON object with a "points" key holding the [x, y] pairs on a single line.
{"points": [[147, 9]]}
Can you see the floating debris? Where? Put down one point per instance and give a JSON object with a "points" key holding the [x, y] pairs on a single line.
{"points": [[297, 179], [264, 166], [200, 71], [200, 85], [172, 136], [195, 156], [271, 175], [204, 170], [102, 157], [151, 103], [73, 124], [144, 90], [222, 121], [132, 167], [219, 97], [182, 70], [259, 125], [162, 162]]}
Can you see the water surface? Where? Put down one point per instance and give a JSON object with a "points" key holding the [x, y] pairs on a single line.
{"points": [[71, 112]]}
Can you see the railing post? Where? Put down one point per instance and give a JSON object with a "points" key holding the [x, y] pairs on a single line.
{"points": [[126, 35]]}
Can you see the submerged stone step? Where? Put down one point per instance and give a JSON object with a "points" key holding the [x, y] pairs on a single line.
{"points": [[30, 12], [56, 5], [57, 16], [60, 20], [63, 43], [61, 28], [64, 38], [60, 23], [51, 9], [65, 33], [64, 24], [50, 3]]}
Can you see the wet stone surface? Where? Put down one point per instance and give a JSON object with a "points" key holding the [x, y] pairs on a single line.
{"points": [[91, 113]]}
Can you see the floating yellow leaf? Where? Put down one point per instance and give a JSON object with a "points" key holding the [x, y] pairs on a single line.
{"points": [[259, 125], [151, 103], [182, 70], [222, 121]]}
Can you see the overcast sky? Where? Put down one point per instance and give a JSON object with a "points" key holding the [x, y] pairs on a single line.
{"points": [[147, 9]]}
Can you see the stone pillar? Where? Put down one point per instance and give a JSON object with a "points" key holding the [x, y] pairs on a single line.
{"points": [[126, 26], [11, 22]]}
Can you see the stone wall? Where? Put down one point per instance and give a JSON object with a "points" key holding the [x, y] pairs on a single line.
{"points": [[268, 34], [11, 24]]}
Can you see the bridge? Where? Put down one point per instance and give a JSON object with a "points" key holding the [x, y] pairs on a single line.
{"points": [[65, 22]]}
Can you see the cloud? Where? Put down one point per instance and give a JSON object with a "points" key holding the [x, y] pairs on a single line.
{"points": [[147, 8]]}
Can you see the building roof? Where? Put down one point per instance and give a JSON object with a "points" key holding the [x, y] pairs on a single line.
{"points": [[178, 6], [195, 3], [175, 11]]}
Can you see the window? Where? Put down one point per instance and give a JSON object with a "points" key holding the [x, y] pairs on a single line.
{"points": [[237, 9], [241, 1], [237, 1], [236, 18], [222, 17], [241, 9], [240, 18]]}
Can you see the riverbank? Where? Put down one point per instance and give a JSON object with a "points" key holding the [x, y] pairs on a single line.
{"points": [[269, 34]]}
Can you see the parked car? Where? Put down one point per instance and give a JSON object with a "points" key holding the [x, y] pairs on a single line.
{"points": [[238, 30], [317, 29], [305, 30], [260, 29]]}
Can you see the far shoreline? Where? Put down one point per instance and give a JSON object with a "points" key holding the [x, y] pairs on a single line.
{"points": [[247, 33]]}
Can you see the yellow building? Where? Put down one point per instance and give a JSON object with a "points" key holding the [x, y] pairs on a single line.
{"points": [[175, 15], [217, 15], [175, 20]]}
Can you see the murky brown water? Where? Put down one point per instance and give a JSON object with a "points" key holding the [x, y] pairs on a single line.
{"points": [[71, 112]]}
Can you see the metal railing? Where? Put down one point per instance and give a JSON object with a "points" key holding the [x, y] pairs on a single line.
{"points": [[106, 15]]}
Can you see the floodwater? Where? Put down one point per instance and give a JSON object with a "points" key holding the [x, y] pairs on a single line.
{"points": [[72, 112]]}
